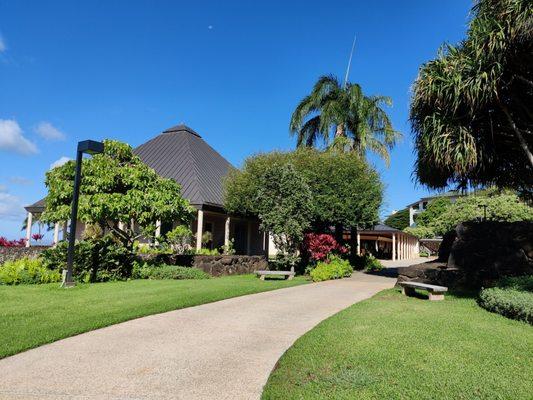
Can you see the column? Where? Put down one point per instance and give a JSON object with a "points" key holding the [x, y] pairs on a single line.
{"points": [[157, 228], [56, 233], [199, 230], [249, 239], [29, 223], [411, 216], [358, 243], [226, 232], [417, 247], [393, 247]]}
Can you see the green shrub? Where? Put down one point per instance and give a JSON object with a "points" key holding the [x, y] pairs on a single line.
{"points": [[334, 268], [423, 254], [164, 271], [96, 260], [372, 264], [367, 262], [522, 283], [27, 271], [510, 303]]}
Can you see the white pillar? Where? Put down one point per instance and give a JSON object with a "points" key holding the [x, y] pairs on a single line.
{"points": [[249, 239], [56, 233], [358, 244], [226, 232], [393, 247], [401, 248], [29, 223], [157, 228], [199, 230], [411, 216], [417, 247]]}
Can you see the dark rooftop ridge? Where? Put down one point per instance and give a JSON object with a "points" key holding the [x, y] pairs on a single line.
{"points": [[181, 128]]}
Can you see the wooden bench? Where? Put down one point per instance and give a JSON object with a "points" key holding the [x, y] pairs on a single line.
{"points": [[435, 292], [287, 274]]}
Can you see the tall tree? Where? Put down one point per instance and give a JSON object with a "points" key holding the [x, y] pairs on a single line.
{"points": [[471, 106], [116, 189], [356, 122]]}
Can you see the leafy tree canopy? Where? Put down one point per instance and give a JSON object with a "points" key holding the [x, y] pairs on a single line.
{"points": [[433, 210], [283, 203], [345, 110], [503, 206], [116, 186], [345, 190], [398, 220], [471, 106]]}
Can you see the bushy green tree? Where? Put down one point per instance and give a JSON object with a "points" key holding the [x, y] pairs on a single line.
{"points": [[116, 186], [283, 204], [421, 232], [500, 206], [345, 190], [433, 210], [398, 220]]}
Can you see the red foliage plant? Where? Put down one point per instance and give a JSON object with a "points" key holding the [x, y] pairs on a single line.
{"points": [[319, 245], [12, 243]]}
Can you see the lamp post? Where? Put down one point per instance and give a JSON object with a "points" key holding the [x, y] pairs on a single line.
{"points": [[89, 147]]}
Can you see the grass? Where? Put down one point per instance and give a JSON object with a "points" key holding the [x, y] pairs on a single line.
{"points": [[394, 347], [32, 315]]}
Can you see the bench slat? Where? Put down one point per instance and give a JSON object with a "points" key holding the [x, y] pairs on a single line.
{"points": [[433, 288], [274, 272]]}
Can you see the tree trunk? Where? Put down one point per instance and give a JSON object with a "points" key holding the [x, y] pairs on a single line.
{"points": [[339, 230], [340, 132], [353, 244], [518, 134]]}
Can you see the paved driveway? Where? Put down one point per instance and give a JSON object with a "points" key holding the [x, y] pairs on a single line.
{"points": [[222, 350]]}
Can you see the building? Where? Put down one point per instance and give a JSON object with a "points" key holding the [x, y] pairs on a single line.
{"points": [[420, 205], [384, 242], [181, 154]]}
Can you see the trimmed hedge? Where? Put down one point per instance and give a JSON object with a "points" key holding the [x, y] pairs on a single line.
{"points": [[511, 303], [164, 271]]}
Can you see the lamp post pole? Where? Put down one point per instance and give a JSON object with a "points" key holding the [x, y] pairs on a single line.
{"points": [[89, 147]]}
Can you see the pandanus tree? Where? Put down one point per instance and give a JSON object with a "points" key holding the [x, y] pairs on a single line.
{"points": [[471, 108], [343, 117]]}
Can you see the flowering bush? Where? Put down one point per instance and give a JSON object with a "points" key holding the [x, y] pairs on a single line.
{"points": [[12, 243], [319, 245]]}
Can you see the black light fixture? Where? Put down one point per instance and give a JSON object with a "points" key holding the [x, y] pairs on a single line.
{"points": [[484, 206], [88, 147]]}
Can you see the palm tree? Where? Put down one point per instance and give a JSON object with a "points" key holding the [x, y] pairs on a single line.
{"points": [[358, 122], [471, 106]]}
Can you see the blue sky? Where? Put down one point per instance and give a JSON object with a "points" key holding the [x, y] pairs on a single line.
{"points": [[233, 71]]}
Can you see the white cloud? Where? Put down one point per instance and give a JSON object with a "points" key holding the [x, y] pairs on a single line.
{"points": [[11, 207], [3, 188], [3, 46], [49, 131], [11, 138], [60, 162], [20, 180]]}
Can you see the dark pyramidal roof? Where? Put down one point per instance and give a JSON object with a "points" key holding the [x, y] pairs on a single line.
{"points": [[181, 154]]}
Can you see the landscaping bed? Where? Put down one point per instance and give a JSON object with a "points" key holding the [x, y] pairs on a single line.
{"points": [[32, 315], [397, 347]]}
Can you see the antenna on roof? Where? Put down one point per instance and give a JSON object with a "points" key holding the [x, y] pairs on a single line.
{"points": [[349, 62]]}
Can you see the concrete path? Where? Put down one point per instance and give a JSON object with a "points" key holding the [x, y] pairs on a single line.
{"points": [[222, 350]]}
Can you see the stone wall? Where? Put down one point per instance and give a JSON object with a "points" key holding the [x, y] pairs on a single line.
{"points": [[213, 265], [15, 253], [477, 254], [229, 265]]}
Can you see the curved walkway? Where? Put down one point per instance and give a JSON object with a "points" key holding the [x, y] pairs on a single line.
{"points": [[222, 350]]}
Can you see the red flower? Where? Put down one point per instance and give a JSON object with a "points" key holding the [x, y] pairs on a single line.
{"points": [[37, 236], [12, 243]]}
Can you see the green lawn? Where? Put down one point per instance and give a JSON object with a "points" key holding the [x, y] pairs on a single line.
{"points": [[31, 315], [394, 347]]}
